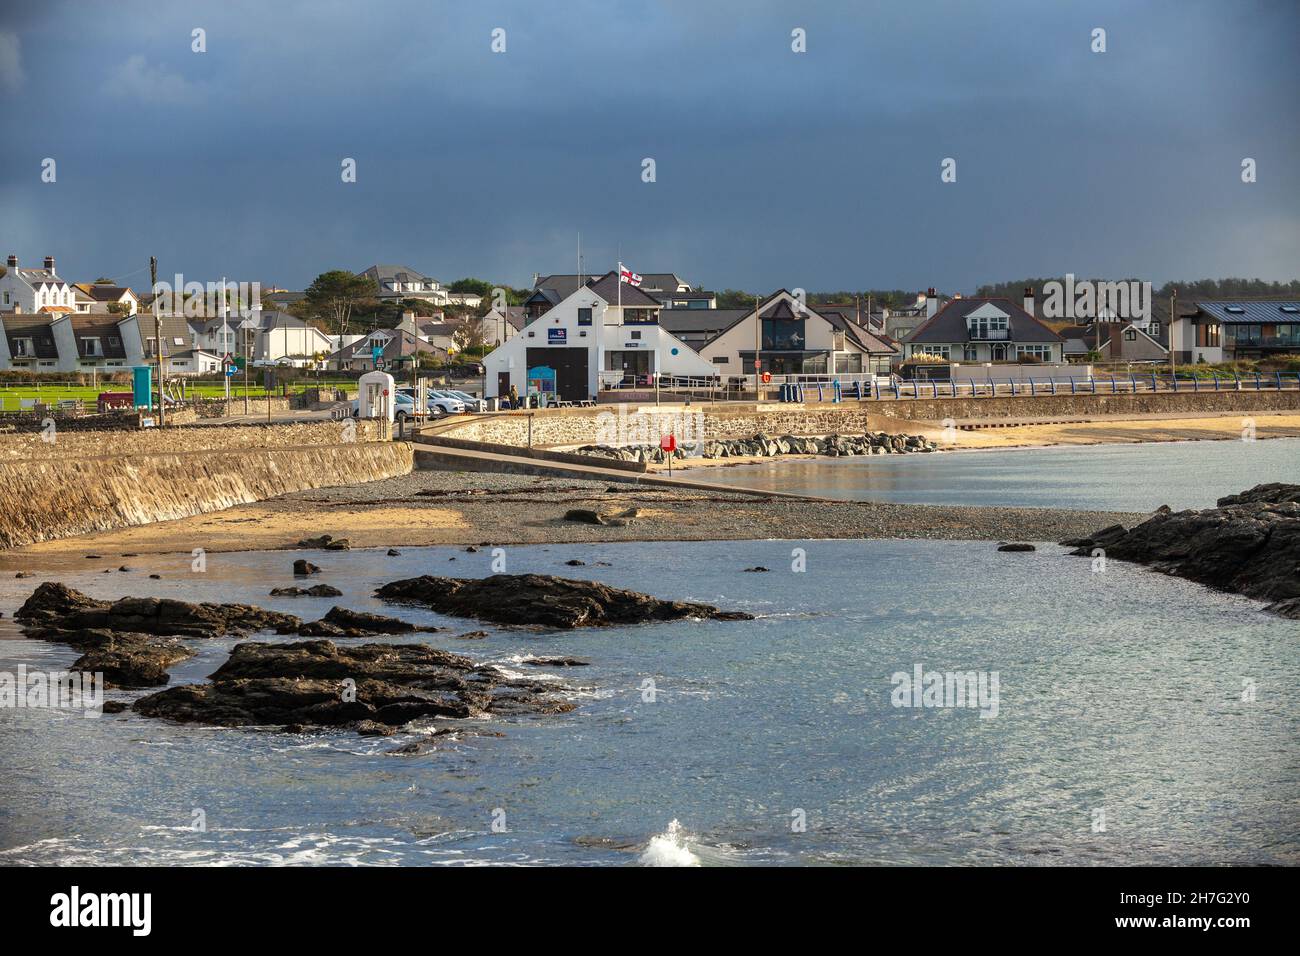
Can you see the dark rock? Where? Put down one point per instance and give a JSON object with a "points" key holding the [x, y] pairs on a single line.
{"points": [[124, 568], [316, 590], [339, 544], [92, 556], [341, 622], [302, 567], [472, 636], [321, 542], [372, 728], [555, 662], [116, 706], [156, 577], [584, 515], [757, 569], [22, 574], [1016, 546], [393, 552], [1249, 544], [541, 600], [471, 549], [576, 563], [132, 660], [306, 684], [59, 613]]}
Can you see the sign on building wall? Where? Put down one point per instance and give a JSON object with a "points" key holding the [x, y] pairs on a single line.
{"points": [[557, 336]]}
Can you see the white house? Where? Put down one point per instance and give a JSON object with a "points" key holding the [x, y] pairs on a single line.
{"points": [[403, 282], [31, 290], [603, 333]]}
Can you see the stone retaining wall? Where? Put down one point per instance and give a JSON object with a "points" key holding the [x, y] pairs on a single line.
{"points": [[582, 426], [96, 481], [16, 446]]}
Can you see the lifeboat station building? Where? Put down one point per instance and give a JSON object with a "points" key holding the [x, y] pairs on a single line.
{"points": [[603, 335]]}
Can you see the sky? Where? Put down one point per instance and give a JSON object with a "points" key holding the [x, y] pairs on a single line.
{"points": [[772, 168]]}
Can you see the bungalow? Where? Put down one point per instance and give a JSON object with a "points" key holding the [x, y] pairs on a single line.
{"points": [[1113, 342], [985, 330], [604, 332]]}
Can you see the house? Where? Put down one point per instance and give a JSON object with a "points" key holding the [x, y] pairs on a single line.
{"points": [[981, 330], [386, 349], [1112, 341], [1217, 330], [35, 290], [499, 326], [791, 339], [105, 297], [396, 282], [79, 342], [899, 322], [604, 332], [470, 299]]}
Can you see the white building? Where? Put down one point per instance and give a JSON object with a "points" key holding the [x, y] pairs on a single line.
{"points": [[403, 282], [603, 333], [31, 290]]}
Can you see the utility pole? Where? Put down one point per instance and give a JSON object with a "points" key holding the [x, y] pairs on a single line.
{"points": [[1173, 319], [247, 351], [758, 340], [158, 337]]}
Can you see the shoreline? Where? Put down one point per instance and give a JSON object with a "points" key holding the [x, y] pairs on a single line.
{"points": [[433, 508]]}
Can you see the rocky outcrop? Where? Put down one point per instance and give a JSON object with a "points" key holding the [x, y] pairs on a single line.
{"points": [[767, 446], [1249, 544], [370, 687], [129, 661], [542, 600], [317, 590], [59, 613], [341, 622]]}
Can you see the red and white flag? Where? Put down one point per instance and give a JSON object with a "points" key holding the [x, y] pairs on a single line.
{"points": [[628, 276]]}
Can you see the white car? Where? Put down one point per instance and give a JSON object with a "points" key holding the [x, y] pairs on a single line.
{"points": [[470, 402], [438, 403]]}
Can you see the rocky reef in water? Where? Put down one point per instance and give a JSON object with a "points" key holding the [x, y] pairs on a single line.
{"points": [[542, 600], [371, 688], [766, 446], [1248, 544]]}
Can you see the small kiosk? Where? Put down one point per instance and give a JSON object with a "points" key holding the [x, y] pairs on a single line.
{"points": [[376, 397]]}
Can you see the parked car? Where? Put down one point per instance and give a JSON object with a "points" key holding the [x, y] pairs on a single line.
{"points": [[471, 403], [438, 403]]}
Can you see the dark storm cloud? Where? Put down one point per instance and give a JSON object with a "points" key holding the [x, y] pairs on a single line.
{"points": [[818, 170]]}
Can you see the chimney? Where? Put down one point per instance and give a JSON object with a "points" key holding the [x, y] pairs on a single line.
{"points": [[13, 261], [49, 264], [1029, 299], [931, 302]]}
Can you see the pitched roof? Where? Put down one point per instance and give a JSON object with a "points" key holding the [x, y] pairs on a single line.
{"points": [[34, 327], [607, 287], [567, 283], [103, 293], [1251, 311], [949, 323]]}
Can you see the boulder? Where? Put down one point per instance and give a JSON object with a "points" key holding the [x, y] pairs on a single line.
{"points": [[303, 567], [341, 622], [132, 660], [1016, 546], [541, 600]]}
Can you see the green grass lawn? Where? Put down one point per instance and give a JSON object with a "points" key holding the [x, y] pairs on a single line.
{"points": [[11, 394]]}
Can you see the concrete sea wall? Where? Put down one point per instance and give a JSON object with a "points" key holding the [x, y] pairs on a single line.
{"points": [[102, 481]]}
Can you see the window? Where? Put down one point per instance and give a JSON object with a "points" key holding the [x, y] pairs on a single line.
{"points": [[6, 298], [935, 351], [23, 347], [1154, 328], [783, 335], [987, 326], [1130, 335], [178, 341], [114, 340], [722, 360], [584, 316], [636, 334], [90, 348], [1041, 352], [969, 353]]}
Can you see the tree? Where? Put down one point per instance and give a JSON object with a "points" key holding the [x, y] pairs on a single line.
{"points": [[467, 332], [335, 294]]}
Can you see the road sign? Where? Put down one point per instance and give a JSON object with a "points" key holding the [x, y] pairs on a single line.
{"points": [[668, 442]]}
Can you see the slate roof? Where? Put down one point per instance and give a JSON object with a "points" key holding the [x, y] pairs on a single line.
{"points": [[103, 327], [651, 282], [949, 323], [607, 288], [34, 327]]}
